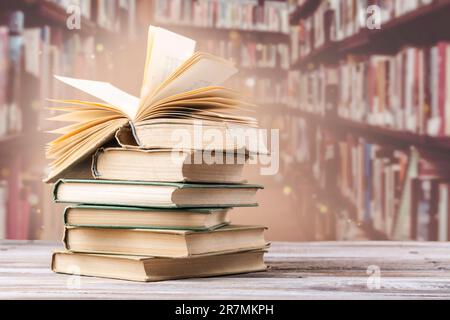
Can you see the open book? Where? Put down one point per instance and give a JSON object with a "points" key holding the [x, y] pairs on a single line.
{"points": [[178, 84]]}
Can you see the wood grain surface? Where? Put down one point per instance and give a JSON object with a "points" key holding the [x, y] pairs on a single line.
{"points": [[329, 270]]}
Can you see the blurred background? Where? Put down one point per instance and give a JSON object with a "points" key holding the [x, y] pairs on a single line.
{"points": [[359, 89]]}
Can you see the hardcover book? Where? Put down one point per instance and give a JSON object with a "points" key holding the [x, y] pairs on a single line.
{"points": [[164, 243], [144, 218], [167, 165], [155, 194], [145, 269]]}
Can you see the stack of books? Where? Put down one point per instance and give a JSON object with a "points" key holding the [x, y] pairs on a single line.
{"points": [[152, 195]]}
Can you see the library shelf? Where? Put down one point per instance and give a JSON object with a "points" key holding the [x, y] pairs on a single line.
{"points": [[6, 142], [423, 26], [401, 139], [303, 11], [51, 12], [262, 72], [40, 13], [223, 33], [341, 204], [372, 233], [43, 12], [326, 53], [25, 142]]}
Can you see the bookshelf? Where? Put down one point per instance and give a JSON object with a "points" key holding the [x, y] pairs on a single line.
{"points": [[30, 213], [304, 10], [44, 12], [21, 142], [399, 139], [421, 27], [225, 33]]}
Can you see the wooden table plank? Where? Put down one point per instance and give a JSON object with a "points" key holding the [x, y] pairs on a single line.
{"points": [[329, 270]]}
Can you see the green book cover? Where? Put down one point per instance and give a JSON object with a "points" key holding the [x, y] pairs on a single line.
{"points": [[168, 184], [138, 209]]}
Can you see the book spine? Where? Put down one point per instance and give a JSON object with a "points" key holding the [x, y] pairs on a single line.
{"points": [[66, 213], [65, 239], [3, 209], [447, 212], [95, 158], [433, 231], [444, 223], [55, 190], [442, 52], [15, 210], [415, 200]]}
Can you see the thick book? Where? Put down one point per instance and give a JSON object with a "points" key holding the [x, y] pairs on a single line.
{"points": [[144, 218], [192, 134], [177, 84], [164, 243], [167, 166], [146, 269], [155, 194]]}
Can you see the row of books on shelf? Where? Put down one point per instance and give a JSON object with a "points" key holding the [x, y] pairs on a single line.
{"points": [[85, 6], [262, 90], [336, 20], [29, 57], [401, 194], [408, 91], [21, 214], [112, 15], [10, 58], [250, 54], [269, 16], [15, 210], [349, 17]]}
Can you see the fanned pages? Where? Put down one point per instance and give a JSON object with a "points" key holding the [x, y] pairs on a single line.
{"points": [[178, 84], [165, 52]]}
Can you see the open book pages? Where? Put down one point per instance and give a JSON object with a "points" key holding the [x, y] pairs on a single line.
{"points": [[177, 84]]}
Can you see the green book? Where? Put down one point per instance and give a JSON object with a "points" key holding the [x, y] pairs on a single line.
{"points": [[145, 218], [155, 194]]}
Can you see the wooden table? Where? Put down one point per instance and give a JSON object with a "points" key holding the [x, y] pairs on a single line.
{"points": [[298, 271]]}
